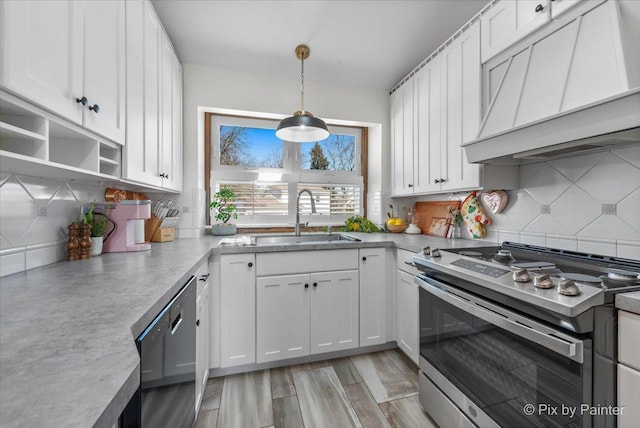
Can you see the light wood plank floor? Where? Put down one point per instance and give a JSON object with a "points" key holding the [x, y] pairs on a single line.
{"points": [[370, 391]]}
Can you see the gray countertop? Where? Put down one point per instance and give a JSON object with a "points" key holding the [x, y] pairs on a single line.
{"points": [[629, 302], [67, 330]]}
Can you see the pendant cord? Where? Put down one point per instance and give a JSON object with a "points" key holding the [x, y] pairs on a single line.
{"points": [[302, 87]]}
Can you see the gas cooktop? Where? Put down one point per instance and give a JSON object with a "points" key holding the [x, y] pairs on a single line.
{"points": [[563, 281]]}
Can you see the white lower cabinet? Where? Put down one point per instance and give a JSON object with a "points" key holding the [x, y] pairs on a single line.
{"points": [[237, 310], [307, 302], [373, 296], [282, 314], [407, 307], [304, 314], [202, 332], [628, 369]]}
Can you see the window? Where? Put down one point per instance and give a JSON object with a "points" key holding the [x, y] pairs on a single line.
{"points": [[267, 173]]}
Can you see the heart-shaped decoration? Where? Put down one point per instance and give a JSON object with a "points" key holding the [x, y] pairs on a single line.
{"points": [[494, 201]]}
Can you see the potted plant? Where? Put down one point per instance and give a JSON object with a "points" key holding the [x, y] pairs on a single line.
{"points": [[98, 222], [224, 208]]}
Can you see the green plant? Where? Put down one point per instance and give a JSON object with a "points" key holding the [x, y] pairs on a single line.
{"points": [[97, 220], [222, 203], [358, 223]]}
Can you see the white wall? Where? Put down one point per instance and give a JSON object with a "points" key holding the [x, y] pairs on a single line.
{"points": [[225, 89]]}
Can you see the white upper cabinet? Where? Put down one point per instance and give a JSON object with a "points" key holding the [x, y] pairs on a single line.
{"points": [[444, 114], [577, 63], [509, 21], [56, 54], [153, 154]]}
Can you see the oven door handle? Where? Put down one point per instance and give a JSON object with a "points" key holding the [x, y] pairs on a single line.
{"points": [[551, 339]]}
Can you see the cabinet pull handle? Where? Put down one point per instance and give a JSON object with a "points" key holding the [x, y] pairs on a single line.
{"points": [[95, 108], [197, 323], [204, 278], [306, 286], [250, 264], [364, 259], [437, 180], [539, 8], [315, 284], [82, 101]]}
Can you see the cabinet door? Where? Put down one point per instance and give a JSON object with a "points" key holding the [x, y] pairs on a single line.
{"points": [[42, 53], [282, 314], [407, 310], [373, 320], [171, 119], [628, 392], [141, 156], [422, 139], [397, 153], [334, 311], [558, 7], [238, 313], [461, 83], [508, 21], [402, 145], [104, 68], [436, 115], [202, 339], [498, 26]]}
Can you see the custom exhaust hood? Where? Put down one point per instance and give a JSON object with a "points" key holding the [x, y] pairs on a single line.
{"points": [[574, 89]]}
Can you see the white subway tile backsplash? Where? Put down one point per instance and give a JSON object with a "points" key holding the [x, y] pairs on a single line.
{"points": [[505, 235], [605, 247], [12, 263], [629, 250], [562, 242], [538, 239], [41, 255]]}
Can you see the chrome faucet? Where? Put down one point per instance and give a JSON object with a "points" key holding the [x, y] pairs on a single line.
{"points": [[313, 209]]}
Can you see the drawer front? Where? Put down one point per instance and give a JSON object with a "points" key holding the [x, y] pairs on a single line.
{"points": [[292, 262], [628, 391], [629, 342], [404, 257]]}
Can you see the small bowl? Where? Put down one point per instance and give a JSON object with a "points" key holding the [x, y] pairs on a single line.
{"points": [[397, 228]]}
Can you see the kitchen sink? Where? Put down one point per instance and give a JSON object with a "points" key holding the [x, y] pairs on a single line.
{"points": [[302, 239]]}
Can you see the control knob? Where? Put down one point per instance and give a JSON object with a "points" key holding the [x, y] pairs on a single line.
{"points": [[521, 275], [543, 281], [567, 287]]}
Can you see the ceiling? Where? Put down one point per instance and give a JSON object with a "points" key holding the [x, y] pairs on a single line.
{"points": [[353, 42]]}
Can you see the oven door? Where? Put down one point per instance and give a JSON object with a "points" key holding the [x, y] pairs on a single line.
{"points": [[498, 367]]}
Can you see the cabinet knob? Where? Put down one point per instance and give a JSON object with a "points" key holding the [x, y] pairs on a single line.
{"points": [[306, 286], [437, 180], [163, 175], [410, 185], [315, 284], [364, 258], [250, 264], [82, 101], [204, 278], [539, 8], [197, 323], [95, 108]]}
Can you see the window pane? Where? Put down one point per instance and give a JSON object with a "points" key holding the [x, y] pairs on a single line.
{"points": [[336, 153], [333, 199], [250, 147], [259, 198]]}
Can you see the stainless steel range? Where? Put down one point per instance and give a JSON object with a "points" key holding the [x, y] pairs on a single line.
{"points": [[519, 335]]}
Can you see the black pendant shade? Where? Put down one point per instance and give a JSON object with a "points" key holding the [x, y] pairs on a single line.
{"points": [[302, 127]]}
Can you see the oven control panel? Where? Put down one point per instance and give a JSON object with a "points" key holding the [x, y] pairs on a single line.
{"points": [[474, 266]]}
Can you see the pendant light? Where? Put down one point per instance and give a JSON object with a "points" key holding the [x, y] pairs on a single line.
{"points": [[302, 127]]}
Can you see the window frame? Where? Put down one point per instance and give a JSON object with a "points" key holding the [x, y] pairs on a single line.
{"points": [[292, 171]]}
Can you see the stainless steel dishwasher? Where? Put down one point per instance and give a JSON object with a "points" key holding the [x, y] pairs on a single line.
{"points": [[167, 348]]}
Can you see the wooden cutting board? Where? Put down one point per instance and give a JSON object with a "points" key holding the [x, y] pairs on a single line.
{"points": [[426, 212]]}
